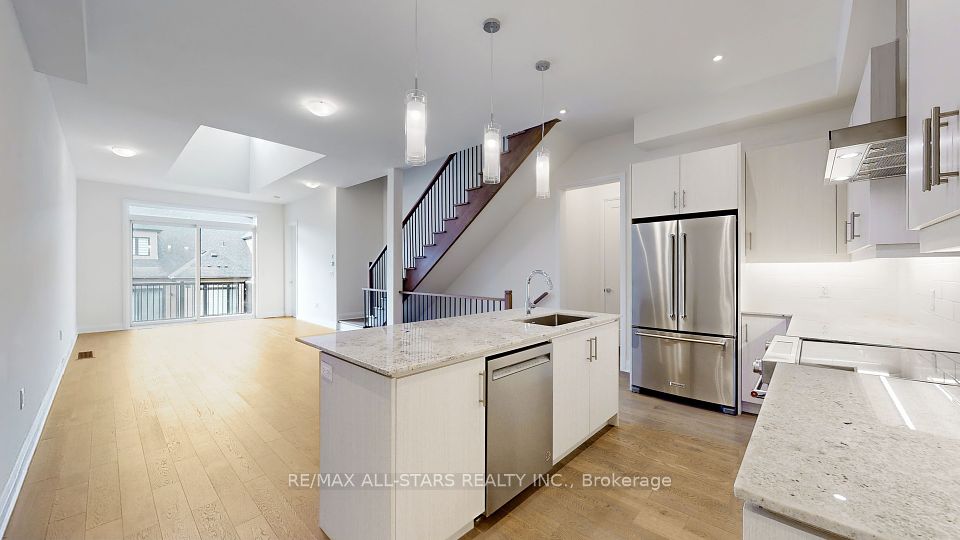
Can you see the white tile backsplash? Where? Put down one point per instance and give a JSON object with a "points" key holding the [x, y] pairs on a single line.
{"points": [[916, 291]]}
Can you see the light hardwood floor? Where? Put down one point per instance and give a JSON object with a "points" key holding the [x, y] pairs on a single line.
{"points": [[191, 431]]}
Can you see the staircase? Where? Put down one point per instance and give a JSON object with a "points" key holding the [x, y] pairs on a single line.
{"points": [[448, 205]]}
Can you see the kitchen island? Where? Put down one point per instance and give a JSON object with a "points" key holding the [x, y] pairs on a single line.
{"points": [[403, 415], [841, 454]]}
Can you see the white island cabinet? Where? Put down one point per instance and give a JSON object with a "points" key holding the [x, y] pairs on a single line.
{"points": [[586, 370], [403, 416]]}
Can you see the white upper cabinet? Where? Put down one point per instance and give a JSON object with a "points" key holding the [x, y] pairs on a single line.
{"points": [[697, 182], [656, 187], [933, 80], [789, 215], [709, 179]]}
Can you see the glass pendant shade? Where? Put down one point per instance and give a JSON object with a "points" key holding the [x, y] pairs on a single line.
{"points": [[543, 174], [415, 127], [491, 153]]}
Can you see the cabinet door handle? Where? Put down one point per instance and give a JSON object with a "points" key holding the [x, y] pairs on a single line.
{"points": [[749, 241], [683, 199], [482, 380], [932, 175], [594, 348], [746, 332], [674, 199], [846, 232], [853, 226]]}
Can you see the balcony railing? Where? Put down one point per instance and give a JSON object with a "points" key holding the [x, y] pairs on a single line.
{"points": [[170, 301], [419, 306]]}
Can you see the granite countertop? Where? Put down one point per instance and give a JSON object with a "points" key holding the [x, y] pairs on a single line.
{"points": [[406, 349], [861, 456]]}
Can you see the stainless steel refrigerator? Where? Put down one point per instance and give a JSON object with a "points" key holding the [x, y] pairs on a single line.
{"points": [[685, 308]]}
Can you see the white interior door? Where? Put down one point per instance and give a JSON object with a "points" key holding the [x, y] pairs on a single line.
{"points": [[291, 270], [610, 262]]}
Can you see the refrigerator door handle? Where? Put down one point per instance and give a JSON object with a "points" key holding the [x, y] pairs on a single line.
{"points": [[721, 344], [683, 276], [671, 307]]}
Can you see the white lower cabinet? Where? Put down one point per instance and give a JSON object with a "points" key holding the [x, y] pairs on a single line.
{"points": [[586, 371], [440, 429]]}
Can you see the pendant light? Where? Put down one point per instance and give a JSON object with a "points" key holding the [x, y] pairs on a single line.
{"points": [[492, 141], [415, 120], [543, 155]]}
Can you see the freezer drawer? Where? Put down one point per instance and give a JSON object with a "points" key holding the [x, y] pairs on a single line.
{"points": [[686, 365]]}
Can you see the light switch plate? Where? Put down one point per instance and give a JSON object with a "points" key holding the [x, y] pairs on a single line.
{"points": [[326, 371]]}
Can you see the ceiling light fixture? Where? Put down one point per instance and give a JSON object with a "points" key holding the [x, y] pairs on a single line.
{"points": [[492, 140], [563, 111], [321, 107], [841, 178], [415, 119], [543, 155], [718, 58], [123, 151], [848, 155], [311, 184]]}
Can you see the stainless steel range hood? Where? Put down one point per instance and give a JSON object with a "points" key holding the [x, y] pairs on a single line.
{"points": [[878, 149]]}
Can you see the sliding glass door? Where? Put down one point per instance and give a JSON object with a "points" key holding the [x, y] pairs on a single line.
{"points": [[226, 272], [188, 271], [164, 269]]}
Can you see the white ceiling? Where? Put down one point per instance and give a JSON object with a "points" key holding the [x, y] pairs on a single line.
{"points": [[156, 71]]}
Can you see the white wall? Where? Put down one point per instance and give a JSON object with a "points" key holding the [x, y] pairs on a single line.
{"points": [[581, 250], [38, 247], [316, 219], [360, 226], [100, 237], [415, 180]]}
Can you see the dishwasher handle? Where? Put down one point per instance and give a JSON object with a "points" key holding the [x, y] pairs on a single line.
{"points": [[522, 365]]}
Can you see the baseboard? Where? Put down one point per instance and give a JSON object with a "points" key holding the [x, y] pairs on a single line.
{"points": [[100, 328], [271, 314], [11, 489], [353, 315]]}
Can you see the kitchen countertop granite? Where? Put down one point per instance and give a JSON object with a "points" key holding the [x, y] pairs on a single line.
{"points": [[405, 349], [858, 455]]}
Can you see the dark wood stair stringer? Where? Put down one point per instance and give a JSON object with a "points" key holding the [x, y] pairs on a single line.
{"points": [[521, 145]]}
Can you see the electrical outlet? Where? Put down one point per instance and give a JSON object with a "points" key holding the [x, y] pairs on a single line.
{"points": [[21, 399]]}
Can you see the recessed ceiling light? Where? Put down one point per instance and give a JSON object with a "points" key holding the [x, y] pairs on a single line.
{"points": [[839, 497], [563, 111], [311, 184], [841, 178], [321, 107], [849, 155], [718, 58], [276, 196], [123, 151]]}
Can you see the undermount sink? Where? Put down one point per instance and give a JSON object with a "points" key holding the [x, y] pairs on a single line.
{"points": [[555, 319]]}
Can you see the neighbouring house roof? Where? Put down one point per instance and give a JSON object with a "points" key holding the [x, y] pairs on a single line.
{"points": [[224, 254]]}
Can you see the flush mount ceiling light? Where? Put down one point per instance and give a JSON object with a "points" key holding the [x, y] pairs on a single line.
{"points": [[321, 107], [311, 184], [415, 119], [848, 155], [123, 151], [543, 155], [492, 141], [563, 111], [718, 58]]}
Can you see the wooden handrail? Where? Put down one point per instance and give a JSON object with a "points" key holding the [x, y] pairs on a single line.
{"points": [[465, 296], [427, 189], [373, 265]]}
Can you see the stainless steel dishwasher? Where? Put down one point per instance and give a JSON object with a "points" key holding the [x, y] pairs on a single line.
{"points": [[519, 421]]}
